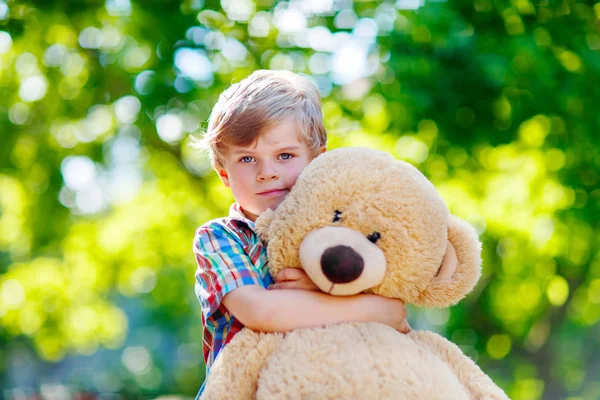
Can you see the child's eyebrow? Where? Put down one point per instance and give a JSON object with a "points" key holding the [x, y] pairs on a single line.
{"points": [[241, 151], [248, 151], [289, 148]]}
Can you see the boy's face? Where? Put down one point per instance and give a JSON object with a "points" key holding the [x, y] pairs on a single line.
{"points": [[261, 175]]}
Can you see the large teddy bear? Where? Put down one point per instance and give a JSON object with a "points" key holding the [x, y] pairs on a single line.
{"points": [[358, 220]]}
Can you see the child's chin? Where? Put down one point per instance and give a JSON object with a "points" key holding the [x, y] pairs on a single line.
{"points": [[276, 202]]}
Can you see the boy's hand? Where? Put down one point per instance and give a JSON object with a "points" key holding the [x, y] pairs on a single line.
{"points": [[385, 310], [390, 312], [293, 278]]}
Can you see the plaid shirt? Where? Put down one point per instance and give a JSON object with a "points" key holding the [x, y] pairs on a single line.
{"points": [[229, 255]]}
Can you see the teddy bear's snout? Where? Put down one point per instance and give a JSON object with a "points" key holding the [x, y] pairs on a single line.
{"points": [[342, 261], [342, 264]]}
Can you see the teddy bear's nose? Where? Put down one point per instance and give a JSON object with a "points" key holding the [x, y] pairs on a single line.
{"points": [[341, 264]]}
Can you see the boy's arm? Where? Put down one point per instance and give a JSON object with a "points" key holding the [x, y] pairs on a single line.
{"points": [[283, 310], [225, 275]]}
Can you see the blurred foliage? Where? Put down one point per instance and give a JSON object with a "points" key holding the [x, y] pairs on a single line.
{"points": [[495, 101]]}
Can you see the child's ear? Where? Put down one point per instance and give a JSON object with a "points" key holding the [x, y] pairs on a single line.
{"points": [[262, 224], [223, 176], [460, 269]]}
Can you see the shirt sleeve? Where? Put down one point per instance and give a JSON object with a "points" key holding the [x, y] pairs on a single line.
{"points": [[223, 265]]}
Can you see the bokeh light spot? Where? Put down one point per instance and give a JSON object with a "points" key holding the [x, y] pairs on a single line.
{"points": [[90, 200], [136, 359], [5, 42], [349, 63], [260, 25], [143, 279], [196, 34], [118, 8], [107, 381], [411, 149], [533, 132], [26, 64], [112, 39], [570, 61], [4, 10], [144, 82], [73, 65], [30, 320], [290, 21], [498, 346], [90, 38], [169, 128], [238, 10], [78, 172], [194, 64], [55, 55], [19, 113], [282, 61], [234, 51], [437, 316], [98, 121], [318, 63], [136, 57], [557, 290], [33, 88], [345, 19], [49, 346], [409, 4], [12, 293], [320, 39], [555, 159], [365, 29], [127, 109]]}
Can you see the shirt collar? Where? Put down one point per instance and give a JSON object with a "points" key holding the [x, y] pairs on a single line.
{"points": [[235, 212]]}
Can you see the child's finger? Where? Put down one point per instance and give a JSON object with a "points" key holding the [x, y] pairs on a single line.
{"points": [[405, 327], [301, 285], [288, 285], [288, 274]]}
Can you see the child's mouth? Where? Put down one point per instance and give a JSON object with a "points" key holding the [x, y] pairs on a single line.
{"points": [[273, 192]]}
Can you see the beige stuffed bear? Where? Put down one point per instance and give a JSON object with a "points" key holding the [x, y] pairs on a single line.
{"points": [[358, 220]]}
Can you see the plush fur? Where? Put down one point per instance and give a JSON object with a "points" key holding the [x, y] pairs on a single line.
{"points": [[396, 238]]}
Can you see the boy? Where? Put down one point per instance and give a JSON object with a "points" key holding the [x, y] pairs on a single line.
{"points": [[262, 132]]}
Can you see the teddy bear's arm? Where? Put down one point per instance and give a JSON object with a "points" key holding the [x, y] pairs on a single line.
{"points": [[479, 385], [235, 373]]}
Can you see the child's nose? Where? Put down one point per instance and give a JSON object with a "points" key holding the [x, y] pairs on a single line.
{"points": [[267, 172]]}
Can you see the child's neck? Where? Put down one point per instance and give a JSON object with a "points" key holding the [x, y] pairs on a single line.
{"points": [[249, 215]]}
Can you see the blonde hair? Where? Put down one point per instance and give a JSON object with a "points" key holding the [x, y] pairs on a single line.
{"points": [[258, 101]]}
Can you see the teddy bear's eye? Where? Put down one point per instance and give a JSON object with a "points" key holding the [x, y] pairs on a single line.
{"points": [[337, 215], [374, 237]]}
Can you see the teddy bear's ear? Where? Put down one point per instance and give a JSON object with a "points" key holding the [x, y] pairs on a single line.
{"points": [[262, 224], [460, 269]]}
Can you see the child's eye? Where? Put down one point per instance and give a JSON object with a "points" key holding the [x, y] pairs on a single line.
{"points": [[246, 159], [286, 156]]}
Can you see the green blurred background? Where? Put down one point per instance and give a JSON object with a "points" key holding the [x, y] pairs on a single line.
{"points": [[497, 102]]}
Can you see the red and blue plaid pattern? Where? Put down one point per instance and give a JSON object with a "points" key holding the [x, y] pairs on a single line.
{"points": [[229, 255]]}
